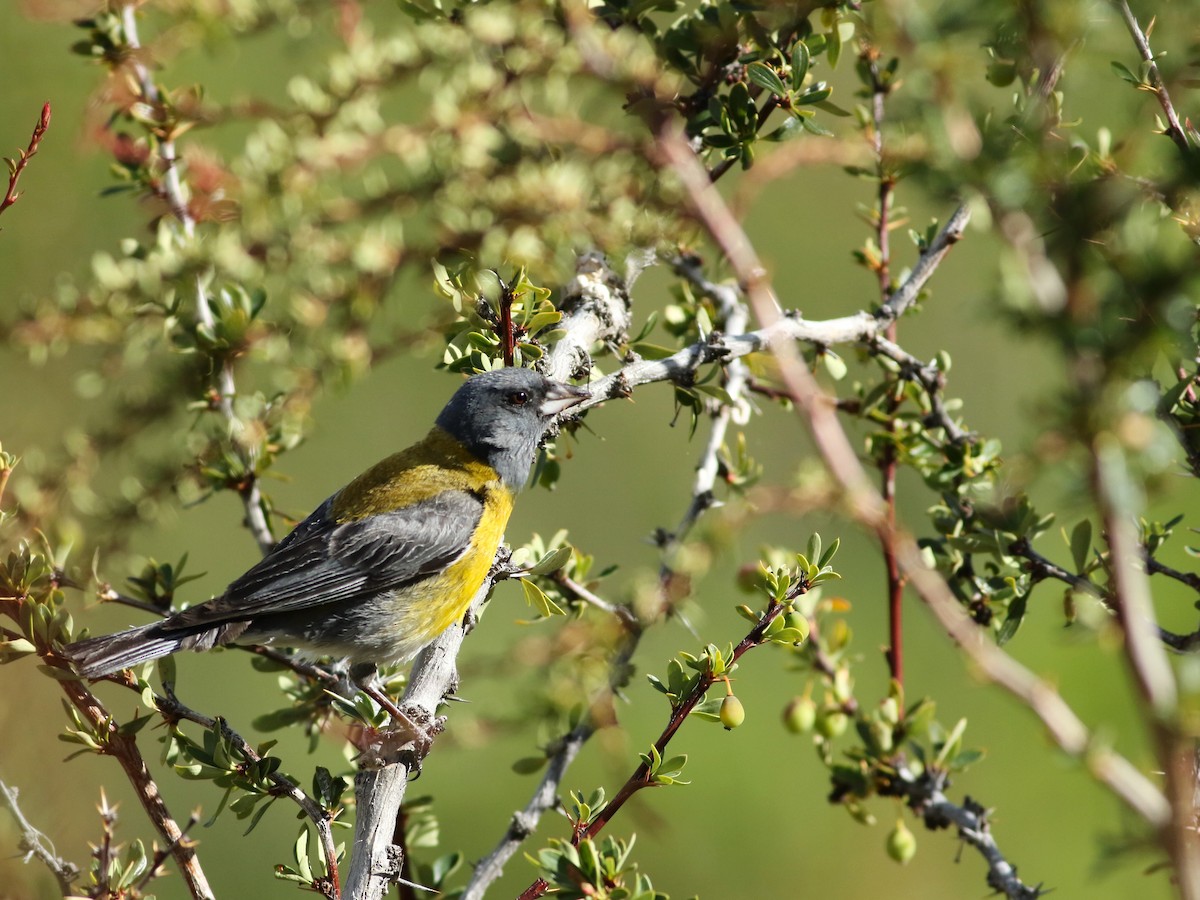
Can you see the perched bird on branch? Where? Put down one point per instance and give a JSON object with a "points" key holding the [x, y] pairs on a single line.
{"points": [[391, 560]]}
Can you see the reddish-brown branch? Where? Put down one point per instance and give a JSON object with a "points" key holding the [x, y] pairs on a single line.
{"points": [[679, 713], [641, 775], [535, 890], [887, 462], [17, 166], [507, 338], [123, 748], [173, 710]]}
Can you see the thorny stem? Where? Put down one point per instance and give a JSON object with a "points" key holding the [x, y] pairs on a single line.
{"points": [[507, 338], [155, 868], [545, 796], [640, 777], [172, 192], [926, 796], [1175, 129], [1040, 568], [887, 462], [623, 613], [34, 843], [17, 166], [172, 708], [123, 748], [679, 712]]}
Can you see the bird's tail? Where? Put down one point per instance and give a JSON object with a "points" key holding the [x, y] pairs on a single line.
{"points": [[103, 655]]}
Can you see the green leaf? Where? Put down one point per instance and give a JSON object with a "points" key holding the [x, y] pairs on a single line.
{"points": [[800, 62], [767, 78], [652, 351], [1081, 545], [833, 109], [551, 562], [965, 758], [829, 553], [1122, 72], [953, 741], [791, 128], [1016, 613], [817, 93], [529, 765], [537, 598]]}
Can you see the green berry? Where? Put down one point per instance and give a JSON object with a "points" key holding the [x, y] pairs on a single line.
{"points": [[889, 711], [732, 712], [881, 736], [832, 723], [901, 844], [800, 715]]}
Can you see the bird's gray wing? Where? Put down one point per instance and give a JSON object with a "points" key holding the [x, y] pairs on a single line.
{"points": [[322, 561]]}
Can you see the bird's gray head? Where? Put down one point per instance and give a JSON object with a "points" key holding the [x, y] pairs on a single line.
{"points": [[500, 416]]}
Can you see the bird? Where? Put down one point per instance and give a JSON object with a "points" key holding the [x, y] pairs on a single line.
{"points": [[388, 562]]}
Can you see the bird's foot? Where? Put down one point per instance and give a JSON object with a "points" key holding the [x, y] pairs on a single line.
{"points": [[407, 740]]}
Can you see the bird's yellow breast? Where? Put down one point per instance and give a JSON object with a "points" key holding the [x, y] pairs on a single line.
{"points": [[446, 596], [423, 610]]}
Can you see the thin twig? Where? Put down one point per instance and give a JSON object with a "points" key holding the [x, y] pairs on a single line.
{"points": [[926, 795], [861, 328], [680, 710], [172, 708], [619, 611], [732, 315], [1039, 567], [34, 843], [927, 263], [545, 796], [887, 463], [1175, 129], [1154, 567], [176, 198], [1152, 672], [123, 747], [17, 166]]}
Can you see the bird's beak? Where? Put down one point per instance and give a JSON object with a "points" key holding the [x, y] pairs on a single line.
{"points": [[561, 397]]}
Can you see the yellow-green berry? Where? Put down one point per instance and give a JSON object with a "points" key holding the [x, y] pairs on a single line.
{"points": [[889, 711], [832, 723], [881, 736], [732, 712], [901, 844], [800, 715]]}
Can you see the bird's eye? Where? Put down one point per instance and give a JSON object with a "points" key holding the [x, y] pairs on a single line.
{"points": [[518, 398]]}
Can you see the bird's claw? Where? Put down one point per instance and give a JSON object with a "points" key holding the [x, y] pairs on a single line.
{"points": [[407, 740]]}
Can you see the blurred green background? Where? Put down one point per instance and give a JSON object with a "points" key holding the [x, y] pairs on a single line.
{"points": [[754, 821]]}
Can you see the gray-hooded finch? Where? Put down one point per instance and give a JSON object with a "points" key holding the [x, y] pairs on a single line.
{"points": [[391, 560]]}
